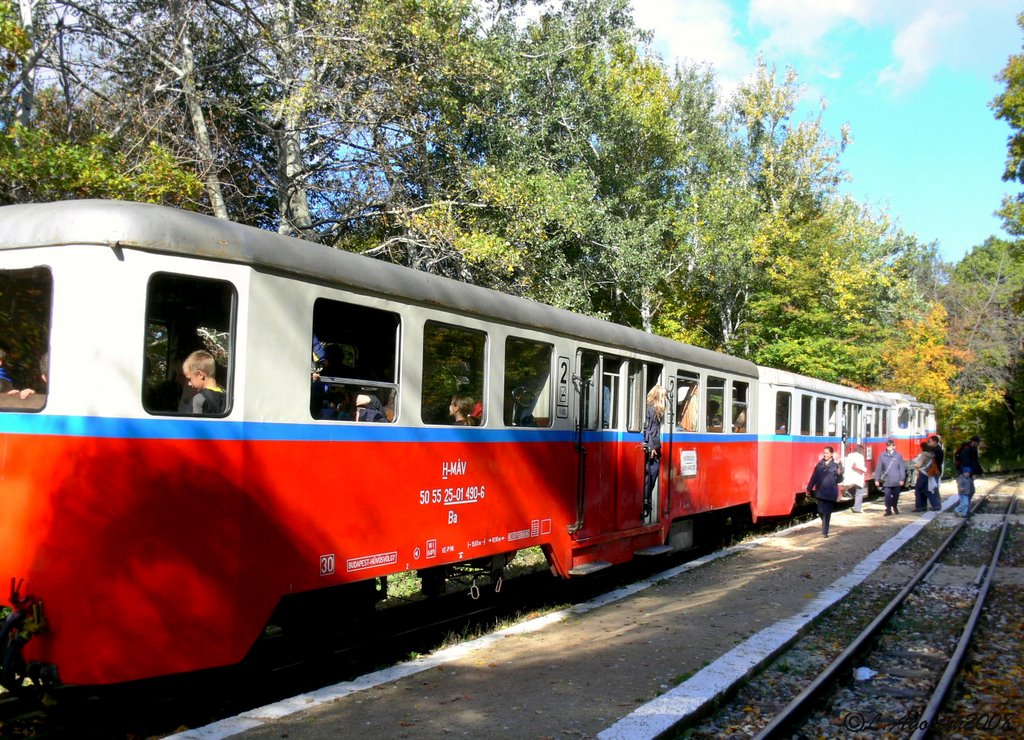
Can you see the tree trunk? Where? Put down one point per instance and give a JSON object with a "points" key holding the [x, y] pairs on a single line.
{"points": [[292, 197], [198, 117], [26, 100]]}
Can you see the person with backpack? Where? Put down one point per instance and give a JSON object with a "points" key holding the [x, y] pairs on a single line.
{"points": [[928, 465]]}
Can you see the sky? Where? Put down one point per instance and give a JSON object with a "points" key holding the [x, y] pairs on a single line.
{"points": [[912, 78]]}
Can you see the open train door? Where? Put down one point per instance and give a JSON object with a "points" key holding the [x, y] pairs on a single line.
{"points": [[610, 412], [597, 446]]}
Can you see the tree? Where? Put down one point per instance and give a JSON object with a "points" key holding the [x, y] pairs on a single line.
{"points": [[987, 332], [1009, 106]]}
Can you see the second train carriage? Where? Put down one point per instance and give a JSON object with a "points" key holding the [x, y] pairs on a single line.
{"points": [[800, 415], [162, 542]]}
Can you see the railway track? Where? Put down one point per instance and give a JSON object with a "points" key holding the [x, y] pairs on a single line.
{"points": [[883, 663]]}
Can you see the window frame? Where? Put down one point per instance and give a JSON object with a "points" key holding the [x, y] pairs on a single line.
{"points": [[231, 350]]}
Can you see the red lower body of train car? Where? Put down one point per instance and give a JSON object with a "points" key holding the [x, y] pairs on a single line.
{"points": [[162, 554]]}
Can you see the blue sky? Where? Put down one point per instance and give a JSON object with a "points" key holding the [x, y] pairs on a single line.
{"points": [[912, 78]]}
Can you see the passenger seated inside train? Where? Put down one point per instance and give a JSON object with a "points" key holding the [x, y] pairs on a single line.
{"points": [[201, 371], [6, 383], [29, 397], [461, 411], [714, 416], [688, 414], [368, 408], [740, 423]]}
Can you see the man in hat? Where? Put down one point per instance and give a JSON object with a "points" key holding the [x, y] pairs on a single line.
{"points": [[890, 475]]}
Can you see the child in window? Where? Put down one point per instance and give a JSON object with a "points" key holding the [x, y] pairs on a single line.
{"points": [[201, 371]]}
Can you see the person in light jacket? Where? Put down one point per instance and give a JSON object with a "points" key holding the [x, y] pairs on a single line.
{"points": [[854, 470]]}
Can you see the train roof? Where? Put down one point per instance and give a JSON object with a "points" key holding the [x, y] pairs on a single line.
{"points": [[904, 398], [784, 377], [172, 231]]}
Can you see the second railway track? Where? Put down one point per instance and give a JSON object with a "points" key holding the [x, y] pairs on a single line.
{"points": [[870, 666]]}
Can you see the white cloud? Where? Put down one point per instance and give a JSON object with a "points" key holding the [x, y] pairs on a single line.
{"points": [[918, 48], [702, 31], [800, 26], [822, 37]]}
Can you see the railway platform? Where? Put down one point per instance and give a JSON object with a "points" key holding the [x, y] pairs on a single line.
{"points": [[633, 663]]}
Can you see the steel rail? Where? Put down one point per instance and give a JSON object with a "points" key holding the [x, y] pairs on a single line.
{"points": [[798, 705], [926, 722]]}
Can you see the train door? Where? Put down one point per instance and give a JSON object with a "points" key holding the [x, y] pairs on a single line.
{"points": [[641, 377], [609, 488], [593, 513]]}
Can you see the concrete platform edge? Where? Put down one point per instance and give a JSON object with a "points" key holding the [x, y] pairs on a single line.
{"points": [[650, 720], [696, 696]]}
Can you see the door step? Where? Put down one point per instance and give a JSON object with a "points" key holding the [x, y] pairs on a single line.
{"points": [[658, 550], [588, 568]]}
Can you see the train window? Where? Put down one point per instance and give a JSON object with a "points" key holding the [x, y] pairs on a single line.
{"points": [[687, 401], [25, 300], [610, 393], [903, 420], [637, 397], [739, 406], [869, 423], [588, 364], [819, 417], [883, 422], [186, 314], [805, 415], [833, 418], [783, 403], [354, 362], [453, 375], [527, 383], [715, 403]]}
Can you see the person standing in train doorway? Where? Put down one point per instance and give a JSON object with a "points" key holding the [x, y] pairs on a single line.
{"points": [[890, 475], [824, 486], [853, 476], [657, 398]]}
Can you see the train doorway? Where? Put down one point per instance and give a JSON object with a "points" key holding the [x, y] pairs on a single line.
{"points": [[611, 411]]}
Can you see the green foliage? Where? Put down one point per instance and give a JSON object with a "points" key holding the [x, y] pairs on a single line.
{"points": [[14, 43], [35, 165], [555, 157]]}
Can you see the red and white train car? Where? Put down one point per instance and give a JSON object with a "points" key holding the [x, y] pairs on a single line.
{"points": [[161, 542], [800, 415]]}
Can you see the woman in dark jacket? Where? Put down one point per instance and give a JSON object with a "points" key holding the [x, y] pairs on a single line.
{"points": [[824, 485], [657, 399]]}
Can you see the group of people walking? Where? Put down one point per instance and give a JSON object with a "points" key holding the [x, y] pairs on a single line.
{"points": [[829, 477]]}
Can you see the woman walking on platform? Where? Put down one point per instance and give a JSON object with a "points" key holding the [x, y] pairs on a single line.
{"points": [[824, 486]]}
